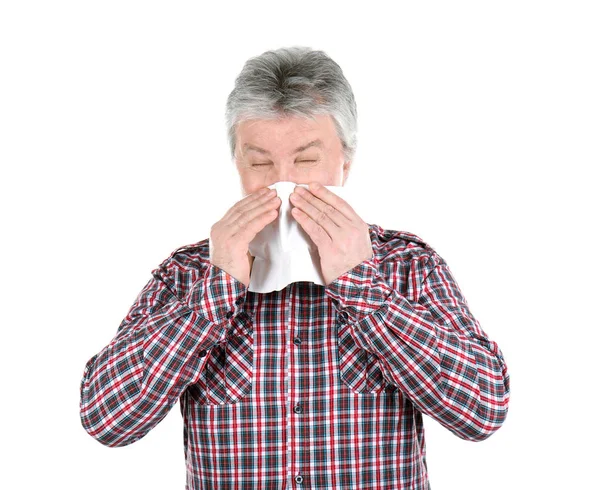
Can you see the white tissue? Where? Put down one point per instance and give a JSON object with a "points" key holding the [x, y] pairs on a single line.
{"points": [[283, 252]]}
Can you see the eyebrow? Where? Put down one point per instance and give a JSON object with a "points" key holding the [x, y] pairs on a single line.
{"points": [[317, 143]]}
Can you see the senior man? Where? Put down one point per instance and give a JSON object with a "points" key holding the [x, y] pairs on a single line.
{"points": [[310, 386]]}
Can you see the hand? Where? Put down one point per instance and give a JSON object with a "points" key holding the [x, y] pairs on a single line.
{"points": [[341, 236], [229, 237]]}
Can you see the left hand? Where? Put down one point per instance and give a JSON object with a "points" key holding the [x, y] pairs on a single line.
{"points": [[341, 236]]}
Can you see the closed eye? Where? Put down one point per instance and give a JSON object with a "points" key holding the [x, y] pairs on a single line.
{"points": [[299, 161]]}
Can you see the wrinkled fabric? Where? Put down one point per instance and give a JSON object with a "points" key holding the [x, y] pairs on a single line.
{"points": [[308, 387]]}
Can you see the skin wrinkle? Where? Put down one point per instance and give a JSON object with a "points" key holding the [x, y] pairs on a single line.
{"points": [[315, 143], [279, 138]]}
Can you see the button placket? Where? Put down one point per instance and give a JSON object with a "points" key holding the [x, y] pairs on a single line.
{"points": [[229, 326]]}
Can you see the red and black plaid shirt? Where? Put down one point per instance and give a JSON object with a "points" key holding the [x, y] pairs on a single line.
{"points": [[309, 387]]}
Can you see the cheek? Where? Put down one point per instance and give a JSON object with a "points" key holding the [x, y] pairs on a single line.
{"points": [[329, 173], [252, 180], [332, 175]]}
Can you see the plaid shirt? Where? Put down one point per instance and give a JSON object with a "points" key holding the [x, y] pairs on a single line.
{"points": [[309, 387]]}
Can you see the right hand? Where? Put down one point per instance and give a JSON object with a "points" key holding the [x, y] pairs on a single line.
{"points": [[230, 236]]}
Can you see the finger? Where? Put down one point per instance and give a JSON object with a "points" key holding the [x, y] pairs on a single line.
{"points": [[244, 231], [334, 215], [251, 200], [246, 219], [256, 195], [329, 197], [252, 208], [321, 217], [316, 232]]}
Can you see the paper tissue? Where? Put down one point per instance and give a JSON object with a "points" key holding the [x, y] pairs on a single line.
{"points": [[283, 252]]}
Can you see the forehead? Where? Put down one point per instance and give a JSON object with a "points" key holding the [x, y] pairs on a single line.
{"points": [[285, 134]]}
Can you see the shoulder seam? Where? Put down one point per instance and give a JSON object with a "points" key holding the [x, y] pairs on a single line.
{"points": [[185, 248]]}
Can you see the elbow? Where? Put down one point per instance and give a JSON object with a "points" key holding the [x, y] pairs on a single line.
{"points": [[478, 429], [475, 426], [481, 432], [106, 434], [94, 414], [486, 420], [491, 410]]}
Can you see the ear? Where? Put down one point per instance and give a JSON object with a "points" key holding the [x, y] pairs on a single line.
{"points": [[346, 171]]}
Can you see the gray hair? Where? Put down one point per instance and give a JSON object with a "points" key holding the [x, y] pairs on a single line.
{"points": [[294, 81]]}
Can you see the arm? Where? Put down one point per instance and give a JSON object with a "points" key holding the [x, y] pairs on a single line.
{"points": [[133, 382], [431, 347]]}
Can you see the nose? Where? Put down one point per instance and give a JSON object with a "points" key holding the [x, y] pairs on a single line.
{"points": [[287, 173], [283, 173]]}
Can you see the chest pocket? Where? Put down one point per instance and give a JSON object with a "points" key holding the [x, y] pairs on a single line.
{"points": [[227, 372], [359, 369]]}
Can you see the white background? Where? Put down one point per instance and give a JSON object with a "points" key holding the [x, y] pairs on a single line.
{"points": [[479, 128]]}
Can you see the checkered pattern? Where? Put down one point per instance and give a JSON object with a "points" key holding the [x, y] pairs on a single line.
{"points": [[309, 387]]}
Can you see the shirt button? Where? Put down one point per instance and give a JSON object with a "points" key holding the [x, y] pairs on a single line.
{"points": [[298, 408], [229, 314], [297, 340], [299, 479], [238, 301], [202, 353]]}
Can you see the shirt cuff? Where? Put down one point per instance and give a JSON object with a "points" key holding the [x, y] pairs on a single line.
{"points": [[359, 291], [217, 296]]}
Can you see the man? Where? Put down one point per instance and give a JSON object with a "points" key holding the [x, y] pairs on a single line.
{"points": [[310, 386]]}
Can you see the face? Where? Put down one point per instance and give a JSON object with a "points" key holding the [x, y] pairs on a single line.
{"points": [[293, 149]]}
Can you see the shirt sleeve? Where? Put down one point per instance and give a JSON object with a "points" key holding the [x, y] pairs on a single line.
{"points": [[132, 383], [430, 345]]}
